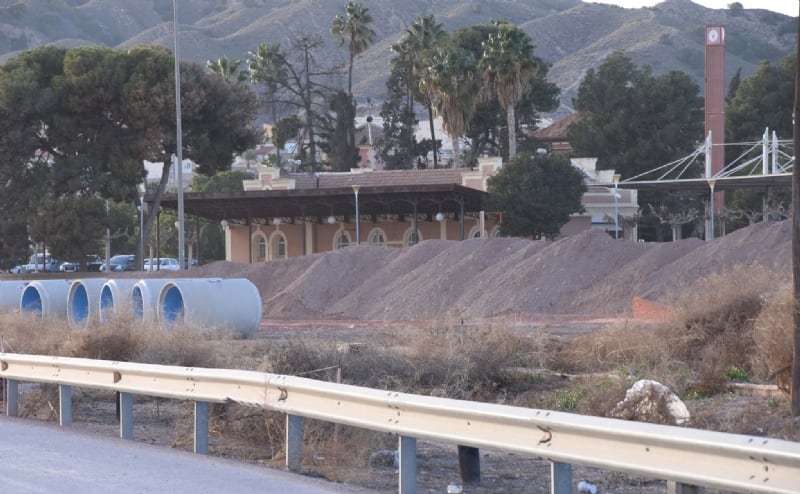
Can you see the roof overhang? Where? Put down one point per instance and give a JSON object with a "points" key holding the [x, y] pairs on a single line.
{"points": [[324, 202]]}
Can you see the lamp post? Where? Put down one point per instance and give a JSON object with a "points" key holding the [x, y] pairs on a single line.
{"points": [[710, 235], [141, 225], [616, 178], [358, 217], [178, 134]]}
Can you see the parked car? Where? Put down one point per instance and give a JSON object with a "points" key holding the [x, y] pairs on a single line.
{"points": [[69, 267], [122, 262], [40, 263], [162, 264], [93, 263]]}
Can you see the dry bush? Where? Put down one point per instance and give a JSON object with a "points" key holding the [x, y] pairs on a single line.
{"points": [[774, 341], [710, 330], [129, 340], [470, 363], [718, 312], [25, 333]]}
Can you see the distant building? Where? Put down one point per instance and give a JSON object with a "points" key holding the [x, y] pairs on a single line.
{"points": [[282, 214], [155, 170]]}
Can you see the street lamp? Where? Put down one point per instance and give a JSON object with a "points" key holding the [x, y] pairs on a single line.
{"points": [[616, 178], [710, 235], [141, 225], [178, 133], [358, 218]]}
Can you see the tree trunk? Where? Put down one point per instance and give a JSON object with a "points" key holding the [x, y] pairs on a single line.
{"points": [[433, 136], [456, 153], [152, 212], [511, 121]]}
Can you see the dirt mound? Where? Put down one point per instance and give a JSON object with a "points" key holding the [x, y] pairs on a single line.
{"points": [[589, 273]]}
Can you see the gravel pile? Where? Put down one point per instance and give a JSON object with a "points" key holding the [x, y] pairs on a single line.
{"points": [[589, 273]]}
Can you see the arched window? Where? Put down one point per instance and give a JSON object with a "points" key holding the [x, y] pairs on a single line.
{"points": [[260, 247], [475, 232], [377, 237], [341, 239], [495, 231], [410, 237], [278, 245]]}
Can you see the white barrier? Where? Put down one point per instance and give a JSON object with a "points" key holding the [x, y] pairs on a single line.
{"points": [[233, 304], [689, 456], [81, 301]]}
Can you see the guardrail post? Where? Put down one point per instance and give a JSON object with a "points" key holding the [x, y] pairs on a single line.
{"points": [[201, 427], [12, 398], [65, 405], [126, 416], [469, 464], [408, 465], [560, 478], [294, 443], [678, 488]]}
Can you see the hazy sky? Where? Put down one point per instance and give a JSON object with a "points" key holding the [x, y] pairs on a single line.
{"points": [[787, 7]]}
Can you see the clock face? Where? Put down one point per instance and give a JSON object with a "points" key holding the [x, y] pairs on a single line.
{"points": [[713, 36]]}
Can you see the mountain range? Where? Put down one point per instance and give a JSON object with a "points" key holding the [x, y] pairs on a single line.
{"points": [[571, 35]]}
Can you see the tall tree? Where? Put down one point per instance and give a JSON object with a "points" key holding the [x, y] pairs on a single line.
{"points": [[268, 68], [228, 69], [451, 78], [421, 38], [537, 194], [354, 28], [488, 128], [94, 116], [300, 82], [507, 67], [763, 100], [633, 121], [398, 148], [337, 132]]}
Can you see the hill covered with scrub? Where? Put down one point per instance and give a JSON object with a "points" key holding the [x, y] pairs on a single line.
{"points": [[571, 35]]}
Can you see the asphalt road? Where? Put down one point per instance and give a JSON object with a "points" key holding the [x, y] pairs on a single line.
{"points": [[37, 457]]}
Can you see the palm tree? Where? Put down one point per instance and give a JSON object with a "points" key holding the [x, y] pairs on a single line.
{"points": [[423, 35], [268, 67], [228, 69], [450, 78], [507, 67], [353, 27]]}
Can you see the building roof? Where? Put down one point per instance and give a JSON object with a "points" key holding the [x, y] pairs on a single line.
{"points": [[558, 130], [395, 192]]}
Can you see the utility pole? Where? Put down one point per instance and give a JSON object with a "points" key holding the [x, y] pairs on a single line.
{"points": [[795, 395]]}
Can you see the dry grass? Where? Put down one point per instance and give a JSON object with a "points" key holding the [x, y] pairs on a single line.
{"points": [[733, 320]]}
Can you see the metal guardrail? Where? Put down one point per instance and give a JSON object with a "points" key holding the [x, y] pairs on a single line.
{"points": [[677, 454]]}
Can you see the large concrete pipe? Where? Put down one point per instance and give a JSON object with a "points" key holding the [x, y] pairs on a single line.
{"points": [[82, 300], [144, 298], [115, 298], [233, 304], [10, 293], [45, 298]]}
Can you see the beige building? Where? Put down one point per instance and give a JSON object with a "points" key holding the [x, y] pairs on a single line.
{"points": [[289, 215]]}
